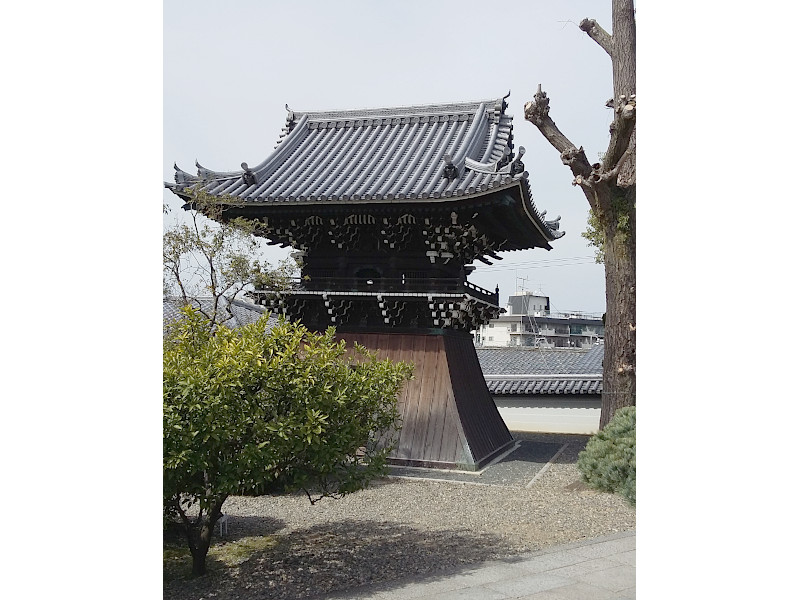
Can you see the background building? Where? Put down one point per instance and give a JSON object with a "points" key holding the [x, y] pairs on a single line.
{"points": [[529, 322]]}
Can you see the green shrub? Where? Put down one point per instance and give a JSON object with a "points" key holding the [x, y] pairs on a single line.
{"points": [[269, 410], [609, 461]]}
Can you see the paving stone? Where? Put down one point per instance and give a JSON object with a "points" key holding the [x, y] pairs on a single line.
{"points": [[490, 572], [472, 593], [563, 574], [584, 567], [548, 562], [423, 589], [528, 584], [617, 578], [607, 548], [627, 594], [575, 591], [627, 558]]}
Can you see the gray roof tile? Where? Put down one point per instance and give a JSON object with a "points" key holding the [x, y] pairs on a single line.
{"points": [[529, 371], [592, 362], [542, 361], [529, 387], [414, 153]]}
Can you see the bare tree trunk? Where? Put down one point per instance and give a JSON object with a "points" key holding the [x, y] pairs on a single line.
{"points": [[619, 362], [610, 188]]}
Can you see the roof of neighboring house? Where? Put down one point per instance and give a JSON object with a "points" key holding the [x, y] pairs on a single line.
{"points": [[414, 154], [533, 386], [529, 371], [244, 313]]}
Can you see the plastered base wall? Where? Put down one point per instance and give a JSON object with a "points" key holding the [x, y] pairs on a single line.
{"points": [[545, 414]]}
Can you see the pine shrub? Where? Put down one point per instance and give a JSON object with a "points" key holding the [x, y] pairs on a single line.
{"points": [[609, 461]]}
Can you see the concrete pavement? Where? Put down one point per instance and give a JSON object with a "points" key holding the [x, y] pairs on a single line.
{"points": [[602, 568]]}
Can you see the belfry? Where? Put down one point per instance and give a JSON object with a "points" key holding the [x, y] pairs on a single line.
{"points": [[387, 208]]}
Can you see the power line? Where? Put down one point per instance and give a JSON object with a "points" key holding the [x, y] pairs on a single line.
{"points": [[534, 265], [548, 260]]}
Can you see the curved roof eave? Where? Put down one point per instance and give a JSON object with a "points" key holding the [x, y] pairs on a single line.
{"points": [[461, 150]]}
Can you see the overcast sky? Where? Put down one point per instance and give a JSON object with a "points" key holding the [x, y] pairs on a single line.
{"points": [[718, 214], [230, 69]]}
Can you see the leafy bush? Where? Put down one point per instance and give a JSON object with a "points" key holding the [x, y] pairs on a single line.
{"points": [[609, 461], [252, 410]]}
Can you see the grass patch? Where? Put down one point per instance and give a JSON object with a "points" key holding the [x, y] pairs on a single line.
{"points": [[221, 555], [235, 553]]}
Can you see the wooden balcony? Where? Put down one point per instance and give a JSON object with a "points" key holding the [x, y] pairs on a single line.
{"points": [[393, 285]]}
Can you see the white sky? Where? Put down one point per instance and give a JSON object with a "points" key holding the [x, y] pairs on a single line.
{"points": [[717, 214], [230, 69]]}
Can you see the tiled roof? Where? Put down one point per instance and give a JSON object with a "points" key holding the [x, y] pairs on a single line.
{"points": [[529, 387], [593, 361], [530, 371], [389, 154], [244, 313], [542, 361]]}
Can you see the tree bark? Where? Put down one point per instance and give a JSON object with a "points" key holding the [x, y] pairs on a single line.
{"points": [[597, 33], [619, 361], [619, 368], [199, 533], [623, 47], [199, 554]]}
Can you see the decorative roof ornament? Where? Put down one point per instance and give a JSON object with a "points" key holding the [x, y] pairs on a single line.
{"points": [[501, 165], [517, 166], [504, 103], [204, 173], [182, 177], [248, 176], [553, 224], [450, 170]]}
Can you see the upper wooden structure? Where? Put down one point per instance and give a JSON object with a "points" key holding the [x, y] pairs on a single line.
{"points": [[387, 208], [390, 202]]}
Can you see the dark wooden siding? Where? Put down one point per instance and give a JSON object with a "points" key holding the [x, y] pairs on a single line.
{"points": [[449, 418], [483, 425]]}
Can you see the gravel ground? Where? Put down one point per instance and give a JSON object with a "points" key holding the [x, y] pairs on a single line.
{"points": [[400, 527]]}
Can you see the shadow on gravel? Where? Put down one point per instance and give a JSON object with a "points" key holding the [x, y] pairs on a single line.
{"points": [[245, 526], [249, 526], [330, 558]]}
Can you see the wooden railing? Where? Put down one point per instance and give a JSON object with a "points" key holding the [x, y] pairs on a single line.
{"points": [[397, 285]]}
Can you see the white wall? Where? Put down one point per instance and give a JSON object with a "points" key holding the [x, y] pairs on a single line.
{"points": [[545, 414], [499, 332]]}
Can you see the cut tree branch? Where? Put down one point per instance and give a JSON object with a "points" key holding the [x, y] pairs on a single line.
{"points": [[621, 130], [594, 180], [537, 112], [597, 33]]}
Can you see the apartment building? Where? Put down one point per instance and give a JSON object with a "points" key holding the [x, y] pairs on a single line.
{"points": [[528, 321]]}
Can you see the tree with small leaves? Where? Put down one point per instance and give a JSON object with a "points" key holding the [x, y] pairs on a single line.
{"points": [[212, 257]]}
